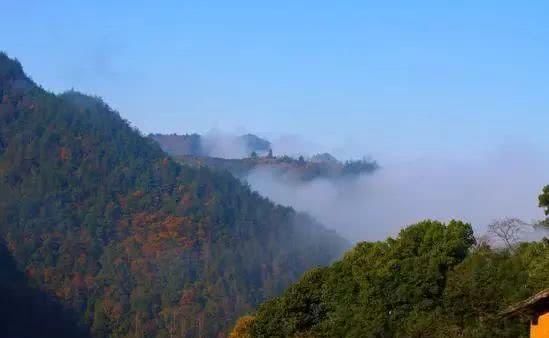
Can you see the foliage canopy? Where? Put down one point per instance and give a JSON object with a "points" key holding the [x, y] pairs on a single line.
{"points": [[137, 244]]}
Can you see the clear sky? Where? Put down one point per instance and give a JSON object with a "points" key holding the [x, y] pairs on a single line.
{"points": [[384, 77]]}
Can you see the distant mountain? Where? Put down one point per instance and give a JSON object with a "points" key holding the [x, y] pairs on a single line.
{"points": [[198, 151], [198, 145], [135, 243], [285, 166], [255, 144], [178, 145]]}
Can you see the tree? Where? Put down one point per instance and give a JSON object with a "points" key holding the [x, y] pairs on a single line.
{"points": [[544, 203], [393, 288], [253, 155], [506, 230], [544, 199], [243, 327]]}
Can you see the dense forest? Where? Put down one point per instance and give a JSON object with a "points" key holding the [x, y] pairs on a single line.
{"points": [[99, 217], [432, 280]]}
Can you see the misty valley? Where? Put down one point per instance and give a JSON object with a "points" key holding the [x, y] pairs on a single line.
{"points": [[274, 169], [119, 238]]}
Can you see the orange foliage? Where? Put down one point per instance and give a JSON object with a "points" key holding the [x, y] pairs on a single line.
{"points": [[48, 273], [64, 154], [187, 297], [112, 309], [30, 272], [243, 327], [138, 194], [89, 280], [171, 223], [78, 281], [150, 235], [186, 199]]}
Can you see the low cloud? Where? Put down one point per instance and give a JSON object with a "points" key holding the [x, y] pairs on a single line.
{"points": [[224, 145], [477, 189]]}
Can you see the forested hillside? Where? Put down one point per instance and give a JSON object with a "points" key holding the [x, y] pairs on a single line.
{"points": [[433, 280], [135, 243]]}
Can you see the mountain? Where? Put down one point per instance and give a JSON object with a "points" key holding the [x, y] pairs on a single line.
{"points": [[255, 143], [432, 280], [198, 145], [284, 166], [249, 152], [135, 243]]}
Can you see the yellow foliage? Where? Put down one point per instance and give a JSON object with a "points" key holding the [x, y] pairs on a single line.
{"points": [[243, 327]]}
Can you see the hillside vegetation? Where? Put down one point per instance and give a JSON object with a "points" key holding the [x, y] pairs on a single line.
{"points": [[138, 245], [432, 280]]}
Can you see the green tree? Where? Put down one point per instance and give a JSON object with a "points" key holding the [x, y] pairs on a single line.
{"points": [[391, 288], [544, 199]]}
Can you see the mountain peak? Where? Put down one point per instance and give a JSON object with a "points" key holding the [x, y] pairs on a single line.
{"points": [[83, 100], [10, 69], [12, 75]]}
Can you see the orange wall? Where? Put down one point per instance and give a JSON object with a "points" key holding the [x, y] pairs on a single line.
{"points": [[542, 329]]}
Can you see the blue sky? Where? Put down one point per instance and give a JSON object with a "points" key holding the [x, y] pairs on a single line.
{"points": [[389, 79]]}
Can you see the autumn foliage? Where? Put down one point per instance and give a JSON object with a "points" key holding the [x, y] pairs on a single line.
{"points": [[243, 327], [133, 242]]}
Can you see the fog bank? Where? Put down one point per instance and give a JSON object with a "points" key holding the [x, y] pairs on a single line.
{"points": [[475, 188]]}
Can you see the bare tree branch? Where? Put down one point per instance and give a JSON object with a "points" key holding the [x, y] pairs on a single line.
{"points": [[506, 230]]}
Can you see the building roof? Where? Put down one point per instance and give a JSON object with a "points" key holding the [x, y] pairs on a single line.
{"points": [[535, 304]]}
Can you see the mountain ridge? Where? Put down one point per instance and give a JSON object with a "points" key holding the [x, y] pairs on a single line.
{"points": [[98, 215], [197, 151], [200, 145]]}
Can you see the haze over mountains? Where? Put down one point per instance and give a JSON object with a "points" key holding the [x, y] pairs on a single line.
{"points": [[213, 144], [133, 242], [318, 184], [285, 169], [372, 201], [241, 155], [117, 238]]}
